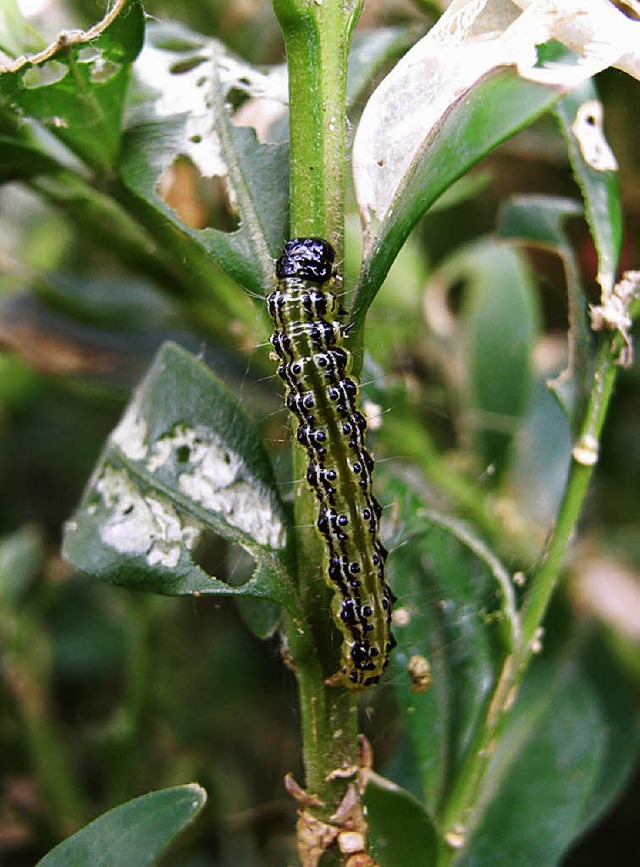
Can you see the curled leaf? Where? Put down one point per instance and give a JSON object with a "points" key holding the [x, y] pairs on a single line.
{"points": [[470, 40]]}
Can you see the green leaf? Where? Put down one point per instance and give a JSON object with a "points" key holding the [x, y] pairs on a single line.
{"points": [[595, 170], [180, 108], [185, 458], [497, 107], [539, 465], [400, 831], [499, 321], [497, 328], [569, 741], [76, 88], [134, 833], [452, 614], [540, 220], [567, 750]]}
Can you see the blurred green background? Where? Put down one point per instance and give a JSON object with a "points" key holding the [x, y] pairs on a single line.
{"points": [[105, 694]]}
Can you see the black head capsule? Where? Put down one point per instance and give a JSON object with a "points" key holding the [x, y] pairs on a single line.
{"points": [[307, 258]]}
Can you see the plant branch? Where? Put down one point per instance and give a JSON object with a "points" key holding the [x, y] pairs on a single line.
{"points": [[317, 38], [457, 813]]}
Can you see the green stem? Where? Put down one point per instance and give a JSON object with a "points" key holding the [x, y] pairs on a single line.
{"points": [[329, 718], [317, 38], [465, 793], [585, 457]]}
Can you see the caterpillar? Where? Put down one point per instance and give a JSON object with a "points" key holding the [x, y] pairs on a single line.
{"points": [[314, 366]]}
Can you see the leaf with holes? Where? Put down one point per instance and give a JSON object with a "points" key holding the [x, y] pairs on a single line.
{"points": [[180, 110], [76, 88], [595, 169], [184, 459]]}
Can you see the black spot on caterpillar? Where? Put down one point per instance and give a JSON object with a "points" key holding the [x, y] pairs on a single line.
{"points": [[314, 367]]}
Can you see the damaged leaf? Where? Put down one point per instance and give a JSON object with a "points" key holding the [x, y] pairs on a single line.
{"points": [[181, 108], [470, 40], [183, 459], [76, 87], [595, 169], [454, 87]]}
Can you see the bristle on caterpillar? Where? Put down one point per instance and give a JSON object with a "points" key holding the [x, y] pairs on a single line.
{"points": [[315, 367]]}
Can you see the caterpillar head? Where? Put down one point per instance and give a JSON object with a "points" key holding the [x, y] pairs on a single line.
{"points": [[307, 258]]}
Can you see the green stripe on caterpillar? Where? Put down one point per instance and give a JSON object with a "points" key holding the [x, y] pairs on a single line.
{"points": [[314, 367]]}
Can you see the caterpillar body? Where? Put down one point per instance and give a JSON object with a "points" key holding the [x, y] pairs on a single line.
{"points": [[314, 367]]}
